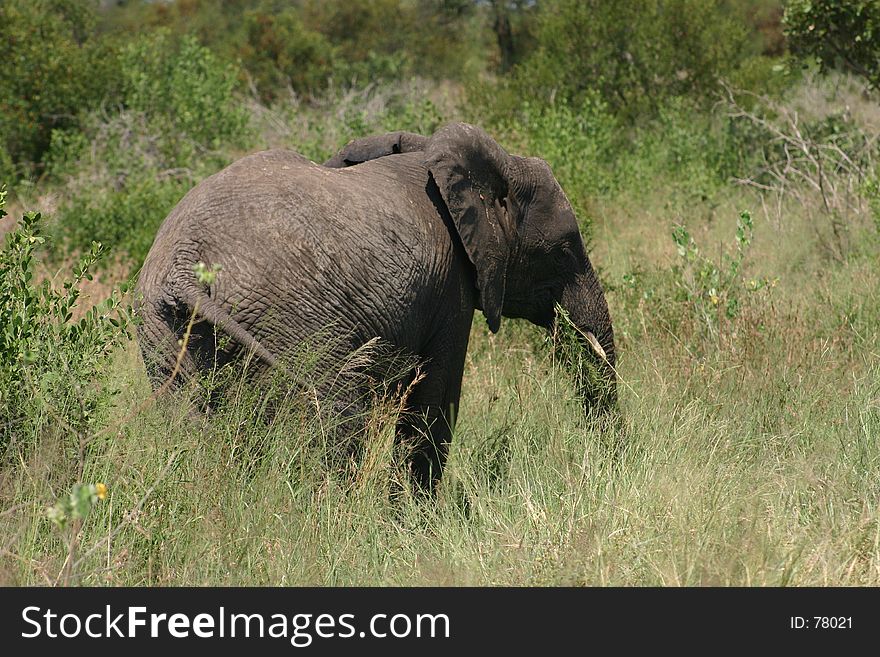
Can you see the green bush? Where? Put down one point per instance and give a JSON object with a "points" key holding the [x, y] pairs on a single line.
{"points": [[635, 54], [872, 193], [7, 166], [121, 181], [127, 171], [769, 76], [185, 92], [713, 292], [53, 71], [50, 364], [692, 152], [312, 45], [127, 218], [280, 51], [840, 35], [704, 299], [416, 115], [389, 39], [594, 155]]}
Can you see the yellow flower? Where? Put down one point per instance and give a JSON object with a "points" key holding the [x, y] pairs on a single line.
{"points": [[101, 491], [713, 298]]}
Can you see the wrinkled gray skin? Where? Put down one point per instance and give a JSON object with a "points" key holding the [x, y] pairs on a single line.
{"points": [[399, 237]]}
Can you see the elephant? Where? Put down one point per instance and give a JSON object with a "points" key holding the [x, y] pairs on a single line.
{"points": [[399, 237]]}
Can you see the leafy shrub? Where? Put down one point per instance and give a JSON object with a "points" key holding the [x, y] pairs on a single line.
{"points": [[704, 301], [127, 219], [126, 172], [7, 166], [770, 76], [53, 71], [416, 115], [280, 51], [842, 35], [186, 93], [121, 182], [713, 292], [872, 192], [633, 53], [389, 39], [308, 45], [693, 152], [49, 363]]}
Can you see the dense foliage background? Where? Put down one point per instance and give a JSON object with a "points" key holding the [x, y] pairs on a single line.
{"points": [[721, 156]]}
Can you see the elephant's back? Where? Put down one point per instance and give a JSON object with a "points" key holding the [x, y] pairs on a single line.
{"points": [[365, 239], [282, 187], [212, 210]]}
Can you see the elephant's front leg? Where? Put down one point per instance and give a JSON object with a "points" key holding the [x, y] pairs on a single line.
{"points": [[426, 428], [427, 432]]}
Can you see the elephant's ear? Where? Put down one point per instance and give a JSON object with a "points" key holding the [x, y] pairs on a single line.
{"points": [[470, 170], [372, 148]]}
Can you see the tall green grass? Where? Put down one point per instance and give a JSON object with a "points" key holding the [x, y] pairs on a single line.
{"points": [[752, 460]]}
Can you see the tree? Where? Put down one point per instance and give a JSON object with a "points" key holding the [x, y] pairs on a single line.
{"points": [[840, 34], [52, 71]]}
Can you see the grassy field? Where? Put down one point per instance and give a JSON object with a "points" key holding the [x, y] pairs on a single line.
{"points": [[746, 453]]}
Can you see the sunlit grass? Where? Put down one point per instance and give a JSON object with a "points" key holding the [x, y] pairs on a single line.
{"points": [[752, 460]]}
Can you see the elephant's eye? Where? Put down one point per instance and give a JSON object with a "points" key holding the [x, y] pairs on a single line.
{"points": [[561, 257], [562, 254]]}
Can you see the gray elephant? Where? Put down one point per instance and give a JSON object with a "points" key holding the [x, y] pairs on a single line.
{"points": [[399, 237]]}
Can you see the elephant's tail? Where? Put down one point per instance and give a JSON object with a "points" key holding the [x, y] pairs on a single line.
{"points": [[206, 308]]}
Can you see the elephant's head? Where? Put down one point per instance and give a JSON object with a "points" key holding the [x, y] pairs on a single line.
{"points": [[520, 232]]}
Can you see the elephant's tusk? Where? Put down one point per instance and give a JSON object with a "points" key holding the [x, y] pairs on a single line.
{"points": [[594, 343]]}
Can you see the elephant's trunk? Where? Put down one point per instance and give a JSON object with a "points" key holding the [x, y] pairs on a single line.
{"points": [[586, 335]]}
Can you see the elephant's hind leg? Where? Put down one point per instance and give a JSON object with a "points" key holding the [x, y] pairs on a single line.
{"points": [[166, 347]]}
